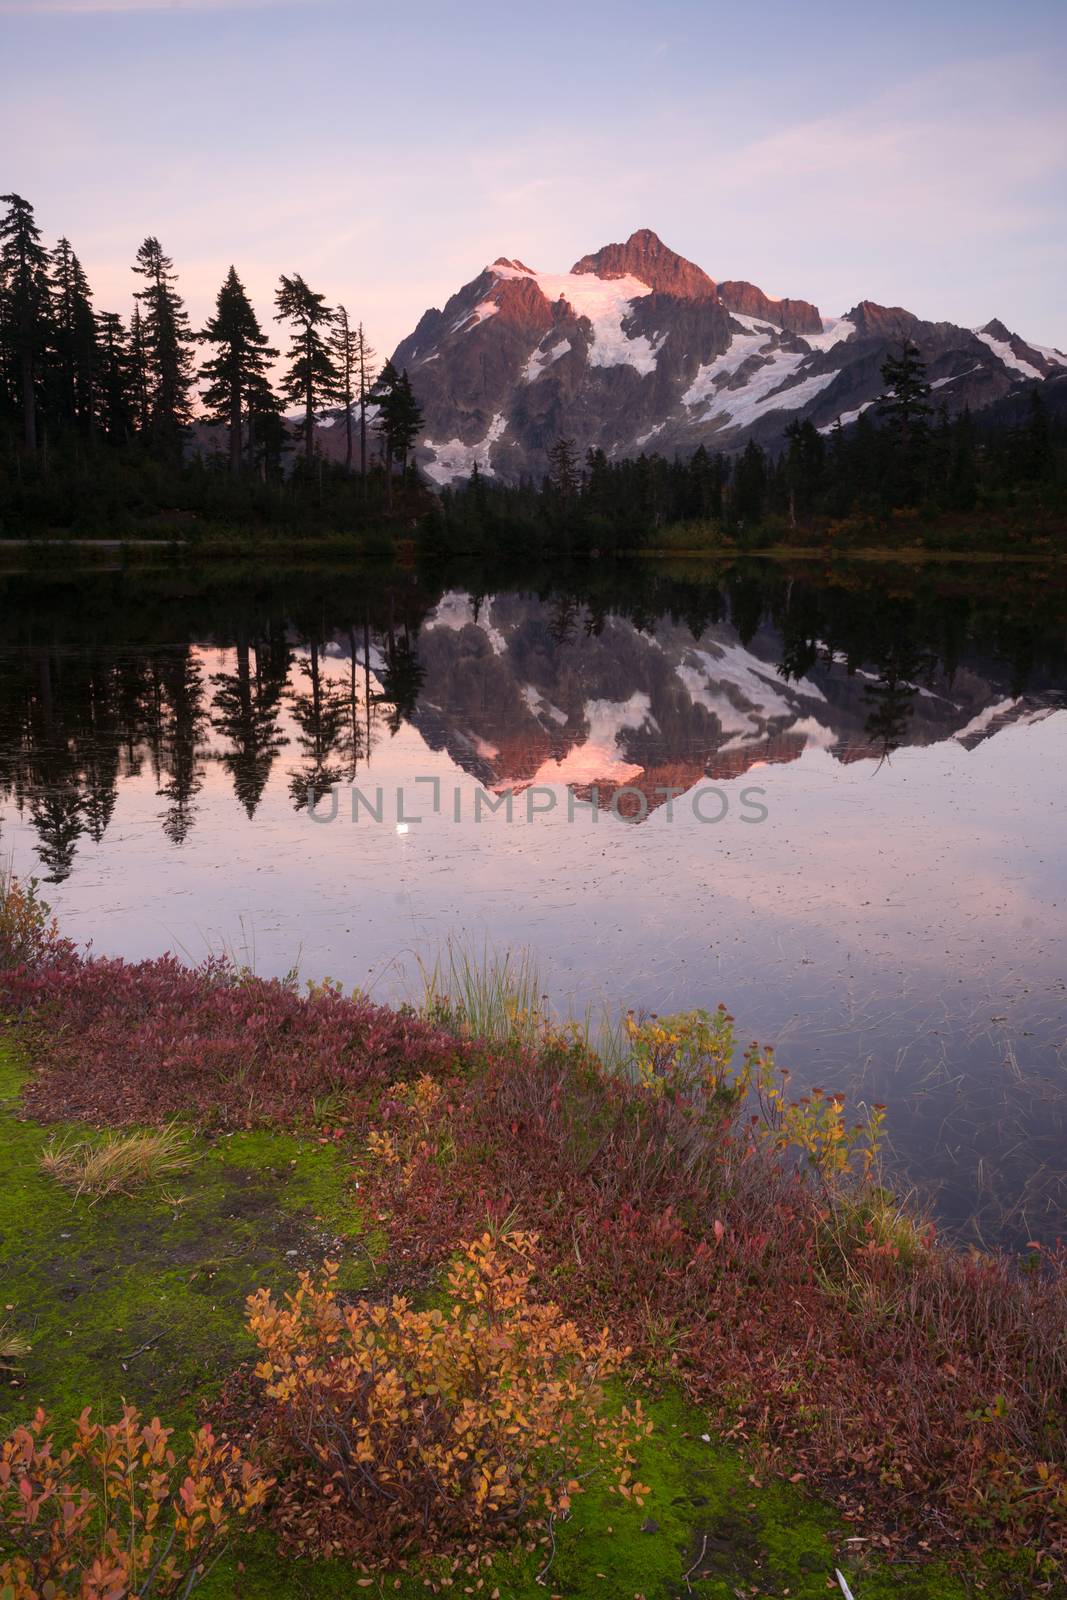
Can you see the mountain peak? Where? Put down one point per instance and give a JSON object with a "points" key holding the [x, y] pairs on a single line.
{"points": [[645, 256]]}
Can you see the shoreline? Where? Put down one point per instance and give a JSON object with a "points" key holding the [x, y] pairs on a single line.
{"points": [[395, 1135]]}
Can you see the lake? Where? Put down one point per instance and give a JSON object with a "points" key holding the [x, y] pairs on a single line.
{"points": [[832, 799]]}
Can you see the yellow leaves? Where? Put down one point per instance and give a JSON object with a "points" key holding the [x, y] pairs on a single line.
{"points": [[456, 1421]]}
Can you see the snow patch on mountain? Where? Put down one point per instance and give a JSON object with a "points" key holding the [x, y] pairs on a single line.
{"points": [[939, 383], [542, 359], [847, 416], [454, 459], [834, 331], [710, 377], [740, 406], [606, 303], [1050, 353], [471, 319], [1002, 349]]}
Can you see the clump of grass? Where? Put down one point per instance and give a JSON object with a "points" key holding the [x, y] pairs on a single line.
{"points": [[14, 1347], [486, 996], [499, 997], [119, 1163]]}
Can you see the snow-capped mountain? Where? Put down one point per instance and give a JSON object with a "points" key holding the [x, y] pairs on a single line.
{"points": [[636, 349]]}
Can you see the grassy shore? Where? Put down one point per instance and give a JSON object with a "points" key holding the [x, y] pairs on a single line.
{"points": [[141, 1298], [319, 1126]]}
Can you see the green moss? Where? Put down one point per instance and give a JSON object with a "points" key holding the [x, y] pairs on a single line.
{"points": [[143, 1297]]}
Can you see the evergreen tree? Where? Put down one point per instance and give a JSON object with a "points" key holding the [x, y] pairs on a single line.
{"points": [[113, 390], [805, 458], [563, 470], [266, 436], [343, 347], [167, 342], [139, 379], [366, 374], [406, 424], [906, 409], [312, 376], [239, 364], [74, 338], [383, 396], [25, 303], [750, 484]]}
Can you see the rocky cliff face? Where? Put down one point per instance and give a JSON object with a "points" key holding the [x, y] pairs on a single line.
{"points": [[636, 349]]}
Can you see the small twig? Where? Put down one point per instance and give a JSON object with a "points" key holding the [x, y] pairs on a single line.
{"points": [[845, 1590], [552, 1552], [141, 1348], [686, 1576]]}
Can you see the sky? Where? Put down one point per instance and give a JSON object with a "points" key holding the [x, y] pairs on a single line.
{"points": [[909, 153]]}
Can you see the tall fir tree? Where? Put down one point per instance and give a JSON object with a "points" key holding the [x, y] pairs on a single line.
{"points": [[265, 433], [139, 377], [563, 470], [399, 420], [406, 423], [74, 339], [312, 377], [750, 484], [114, 398], [366, 372], [167, 342], [25, 309], [342, 343], [382, 396], [239, 365], [905, 407]]}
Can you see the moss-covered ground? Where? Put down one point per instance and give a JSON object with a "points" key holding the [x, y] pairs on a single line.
{"points": [[141, 1298]]}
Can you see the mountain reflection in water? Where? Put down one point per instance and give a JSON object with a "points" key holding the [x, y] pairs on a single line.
{"points": [[892, 925]]}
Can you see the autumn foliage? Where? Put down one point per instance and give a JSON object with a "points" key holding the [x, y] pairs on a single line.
{"points": [[119, 1042], [395, 1430], [115, 1513], [754, 1261]]}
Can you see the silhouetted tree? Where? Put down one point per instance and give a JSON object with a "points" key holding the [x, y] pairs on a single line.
{"points": [[113, 389], [25, 307], [311, 379], [168, 358], [750, 484], [343, 344], [240, 362], [73, 339]]}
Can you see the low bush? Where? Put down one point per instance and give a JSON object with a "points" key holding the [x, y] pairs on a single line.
{"points": [[136, 1042], [115, 1513], [28, 931], [394, 1430]]}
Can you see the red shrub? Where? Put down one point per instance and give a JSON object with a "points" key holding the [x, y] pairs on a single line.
{"points": [[136, 1042]]}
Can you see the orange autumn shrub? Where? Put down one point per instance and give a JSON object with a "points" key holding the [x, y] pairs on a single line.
{"points": [[115, 1514], [395, 1430]]}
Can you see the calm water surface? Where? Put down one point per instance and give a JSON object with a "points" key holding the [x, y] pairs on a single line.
{"points": [[834, 803]]}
